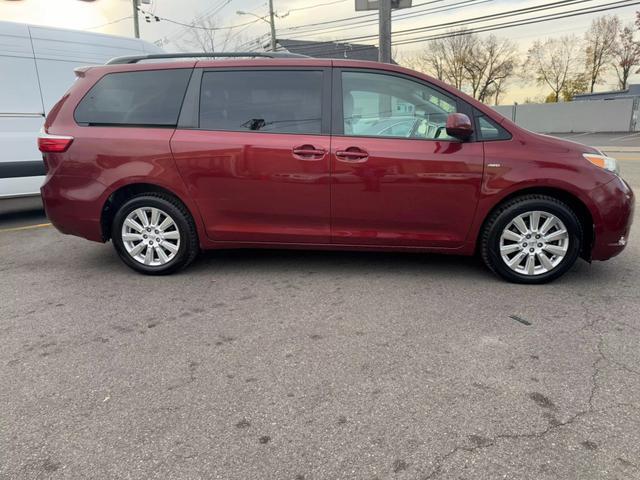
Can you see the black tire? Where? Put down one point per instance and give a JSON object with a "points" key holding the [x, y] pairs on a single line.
{"points": [[504, 214], [188, 248]]}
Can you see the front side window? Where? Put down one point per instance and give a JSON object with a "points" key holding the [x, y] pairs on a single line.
{"points": [[146, 98], [381, 105], [264, 101], [489, 130]]}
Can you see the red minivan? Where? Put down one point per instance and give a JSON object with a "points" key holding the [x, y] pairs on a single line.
{"points": [[167, 158]]}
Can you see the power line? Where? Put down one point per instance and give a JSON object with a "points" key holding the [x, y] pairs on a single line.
{"points": [[361, 19], [198, 27], [225, 2], [358, 18], [510, 24], [508, 13], [542, 19], [216, 8], [460, 23], [313, 6], [438, 9], [110, 23]]}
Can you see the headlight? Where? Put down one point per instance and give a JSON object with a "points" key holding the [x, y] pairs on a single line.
{"points": [[602, 161]]}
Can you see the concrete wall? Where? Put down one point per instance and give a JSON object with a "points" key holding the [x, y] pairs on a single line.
{"points": [[567, 117]]}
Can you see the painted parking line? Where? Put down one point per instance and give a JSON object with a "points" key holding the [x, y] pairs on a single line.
{"points": [[625, 138], [578, 135], [27, 227]]}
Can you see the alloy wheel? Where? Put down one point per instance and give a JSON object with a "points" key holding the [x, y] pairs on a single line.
{"points": [[534, 243], [150, 236]]}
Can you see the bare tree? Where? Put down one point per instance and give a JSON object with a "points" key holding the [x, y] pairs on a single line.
{"points": [[626, 56], [491, 63], [415, 61], [445, 58], [427, 60], [554, 62], [600, 45], [203, 35], [499, 89], [457, 51]]}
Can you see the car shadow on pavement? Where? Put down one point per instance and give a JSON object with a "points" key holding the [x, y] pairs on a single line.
{"points": [[430, 266], [356, 262]]}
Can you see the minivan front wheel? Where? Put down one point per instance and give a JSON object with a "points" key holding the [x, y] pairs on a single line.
{"points": [[154, 234], [531, 239]]}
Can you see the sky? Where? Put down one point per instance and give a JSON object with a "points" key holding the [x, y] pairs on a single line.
{"points": [[114, 17]]}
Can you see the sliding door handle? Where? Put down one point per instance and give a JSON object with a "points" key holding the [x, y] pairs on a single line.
{"points": [[352, 155], [308, 152]]}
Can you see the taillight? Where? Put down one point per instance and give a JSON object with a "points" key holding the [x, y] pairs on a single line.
{"points": [[53, 143]]}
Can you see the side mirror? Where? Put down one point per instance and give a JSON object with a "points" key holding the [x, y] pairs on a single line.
{"points": [[459, 126]]}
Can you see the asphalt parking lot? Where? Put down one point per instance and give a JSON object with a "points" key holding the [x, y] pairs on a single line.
{"points": [[313, 365]]}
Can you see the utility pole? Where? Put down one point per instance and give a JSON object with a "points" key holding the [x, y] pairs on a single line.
{"points": [[384, 35], [272, 23], [136, 25]]}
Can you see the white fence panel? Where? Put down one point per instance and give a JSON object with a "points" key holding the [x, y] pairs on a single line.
{"points": [[568, 117]]}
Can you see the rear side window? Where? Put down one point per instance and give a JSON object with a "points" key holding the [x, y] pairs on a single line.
{"points": [[149, 98], [266, 101]]}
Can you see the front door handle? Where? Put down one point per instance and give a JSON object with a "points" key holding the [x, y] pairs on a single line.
{"points": [[308, 152], [352, 155]]}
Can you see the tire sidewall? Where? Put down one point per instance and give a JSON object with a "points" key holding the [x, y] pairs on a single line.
{"points": [[167, 207], [504, 218]]}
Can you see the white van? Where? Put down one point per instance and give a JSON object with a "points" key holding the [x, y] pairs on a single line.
{"points": [[36, 69]]}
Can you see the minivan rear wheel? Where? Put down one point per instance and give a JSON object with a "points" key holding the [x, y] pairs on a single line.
{"points": [[531, 239], [154, 234]]}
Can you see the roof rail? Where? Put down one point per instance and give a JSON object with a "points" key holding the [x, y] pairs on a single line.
{"points": [[156, 56]]}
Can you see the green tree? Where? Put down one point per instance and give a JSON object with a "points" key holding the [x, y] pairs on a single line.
{"points": [[576, 85]]}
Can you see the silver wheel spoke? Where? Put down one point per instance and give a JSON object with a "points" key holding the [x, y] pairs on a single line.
{"points": [[130, 222], [535, 220], [148, 255], [555, 250], [137, 249], [530, 265], [509, 235], [155, 214], [141, 214], [517, 259], [174, 235], [544, 261], [161, 255], [546, 226], [506, 249], [171, 247], [167, 222], [131, 237], [557, 235], [520, 225]]}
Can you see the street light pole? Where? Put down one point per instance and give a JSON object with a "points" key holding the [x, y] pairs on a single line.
{"points": [[272, 23], [136, 25], [384, 31]]}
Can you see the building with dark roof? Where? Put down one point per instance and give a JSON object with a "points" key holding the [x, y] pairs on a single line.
{"points": [[632, 91], [352, 51]]}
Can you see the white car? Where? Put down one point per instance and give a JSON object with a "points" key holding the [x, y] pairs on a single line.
{"points": [[36, 69]]}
